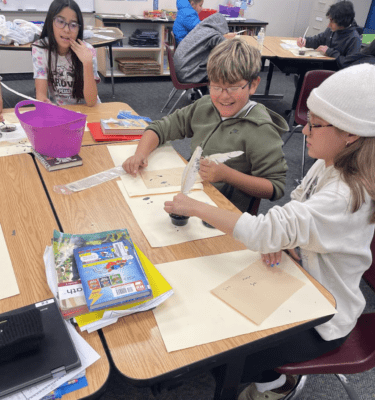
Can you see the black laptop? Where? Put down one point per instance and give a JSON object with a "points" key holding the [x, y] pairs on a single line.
{"points": [[54, 356]]}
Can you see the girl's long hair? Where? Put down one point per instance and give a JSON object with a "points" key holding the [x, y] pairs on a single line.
{"points": [[51, 45], [356, 164]]}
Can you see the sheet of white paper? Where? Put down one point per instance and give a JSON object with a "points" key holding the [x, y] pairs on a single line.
{"points": [[164, 157], [292, 46], [194, 316], [87, 356], [19, 133], [156, 224], [49, 264], [103, 37], [8, 282]]}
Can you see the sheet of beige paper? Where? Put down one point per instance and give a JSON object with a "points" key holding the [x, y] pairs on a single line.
{"points": [[163, 178], [164, 157], [156, 223], [8, 282], [10, 118], [194, 316], [256, 292]]}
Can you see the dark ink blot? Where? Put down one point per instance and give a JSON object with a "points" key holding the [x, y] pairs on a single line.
{"points": [[146, 198], [14, 233], [164, 182]]}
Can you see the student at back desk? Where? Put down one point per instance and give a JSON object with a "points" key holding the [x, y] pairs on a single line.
{"points": [[187, 18], [341, 38]]}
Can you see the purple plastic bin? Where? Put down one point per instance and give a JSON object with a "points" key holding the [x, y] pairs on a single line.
{"points": [[232, 12], [52, 130]]}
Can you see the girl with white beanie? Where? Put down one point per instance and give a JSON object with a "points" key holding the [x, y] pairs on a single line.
{"points": [[331, 218]]}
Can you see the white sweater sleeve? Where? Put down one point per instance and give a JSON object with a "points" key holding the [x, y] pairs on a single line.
{"points": [[319, 224]]}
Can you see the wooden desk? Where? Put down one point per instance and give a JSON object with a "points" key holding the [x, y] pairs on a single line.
{"points": [[288, 63], [27, 221], [135, 342], [94, 114], [267, 54]]}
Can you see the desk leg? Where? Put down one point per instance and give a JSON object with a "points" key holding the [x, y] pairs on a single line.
{"points": [[229, 378], [266, 95], [111, 66]]}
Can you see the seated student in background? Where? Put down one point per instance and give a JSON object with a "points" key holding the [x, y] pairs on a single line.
{"points": [[1, 103], [190, 57], [366, 55], [331, 218], [341, 39], [227, 120], [187, 18], [65, 67]]}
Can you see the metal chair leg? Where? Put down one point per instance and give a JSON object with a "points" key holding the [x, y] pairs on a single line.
{"points": [[349, 390], [175, 104], [291, 133], [174, 90], [294, 395]]}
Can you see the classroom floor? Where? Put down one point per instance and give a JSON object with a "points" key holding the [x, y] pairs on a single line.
{"points": [[130, 90]]}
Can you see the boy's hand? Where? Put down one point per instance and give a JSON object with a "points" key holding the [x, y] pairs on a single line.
{"points": [[133, 163], [322, 49], [275, 258], [1, 117], [211, 172], [230, 35], [181, 205], [301, 42], [83, 53]]}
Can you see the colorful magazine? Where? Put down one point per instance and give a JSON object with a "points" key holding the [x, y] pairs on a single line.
{"points": [[70, 294], [111, 274]]}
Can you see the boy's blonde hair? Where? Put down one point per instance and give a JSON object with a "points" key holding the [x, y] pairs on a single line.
{"points": [[233, 60]]}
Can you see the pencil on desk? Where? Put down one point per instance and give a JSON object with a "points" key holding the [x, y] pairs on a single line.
{"points": [[237, 33]]}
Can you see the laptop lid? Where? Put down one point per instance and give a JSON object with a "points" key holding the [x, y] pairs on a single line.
{"points": [[55, 357]]}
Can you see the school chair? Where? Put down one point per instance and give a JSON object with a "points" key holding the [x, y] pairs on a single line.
{"points": [[178, 85], [369, 275], [312, 80], [356, 355]]}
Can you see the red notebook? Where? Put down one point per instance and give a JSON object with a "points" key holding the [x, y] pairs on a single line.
{"points": [[97, 134]]}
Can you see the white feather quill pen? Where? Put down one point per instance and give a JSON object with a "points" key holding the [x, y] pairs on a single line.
{"points": [[222, 157], [191, 170]]}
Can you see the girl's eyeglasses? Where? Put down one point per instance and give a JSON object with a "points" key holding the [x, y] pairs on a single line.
{"points": [[61, 24], [313, 125], [217, 90]]}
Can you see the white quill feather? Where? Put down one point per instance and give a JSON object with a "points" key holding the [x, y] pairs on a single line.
{"points": [[191, 170], [222, 157]]}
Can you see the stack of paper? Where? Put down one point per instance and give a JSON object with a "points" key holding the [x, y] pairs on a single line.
{"points": [[138, 66], [98, 319]]}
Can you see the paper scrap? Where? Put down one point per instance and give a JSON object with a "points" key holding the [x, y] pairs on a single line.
{"points": [[8, 282], [257, 291], [164, 157]]}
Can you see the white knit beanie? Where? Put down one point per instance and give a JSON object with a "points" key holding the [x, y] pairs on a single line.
{"points": [[346, 100]]}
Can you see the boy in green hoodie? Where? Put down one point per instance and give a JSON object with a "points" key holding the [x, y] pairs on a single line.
{"points": [[227, 120]]}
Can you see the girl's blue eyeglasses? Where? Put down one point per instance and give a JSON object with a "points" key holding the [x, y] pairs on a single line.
{"points": [[61, 24], [313, 125]]}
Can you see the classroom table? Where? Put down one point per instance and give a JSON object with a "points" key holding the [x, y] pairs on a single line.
{"points": [[116, 35], [28, 221], [288, 63], [266, 55], [134, 342]]}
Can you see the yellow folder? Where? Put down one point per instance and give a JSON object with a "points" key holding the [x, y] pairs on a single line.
{"points": [[157, 282]]}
